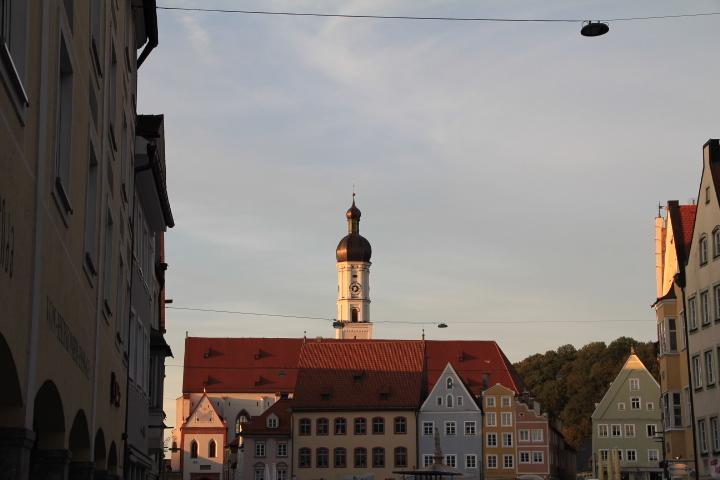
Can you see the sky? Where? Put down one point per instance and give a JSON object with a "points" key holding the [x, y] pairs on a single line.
{"points": [[506, 172]]}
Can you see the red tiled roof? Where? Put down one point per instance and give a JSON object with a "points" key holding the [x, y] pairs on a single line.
{"points": [[472, 360], [360, 375], [241, 364], [258, 425], [683, 223]]}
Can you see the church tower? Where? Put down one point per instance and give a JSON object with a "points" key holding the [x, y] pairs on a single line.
{"points": [[353, 266]]}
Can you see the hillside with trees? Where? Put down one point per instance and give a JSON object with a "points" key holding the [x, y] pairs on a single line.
{"points": [[568, 382]]}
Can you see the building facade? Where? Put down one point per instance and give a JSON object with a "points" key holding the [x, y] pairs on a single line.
{"points": [[68, 105], [533, 441], [267, 444], [451, 410], [499, 429], [702, 314], [627, 419], [673, 237]]}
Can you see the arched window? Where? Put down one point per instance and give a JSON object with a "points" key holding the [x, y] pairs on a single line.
{"points": [[401, 457], [360, 426], [354, 315], [282, 471], [340, 426], [340, 455], [322, 426], [260, 471], [360, 457], [716, 242], [449, 401], [703, 250], [378, 457], [305, 426], [211, 449], [378, 426], [193, 449], [449, 383], [400, 425], [304, 457], [241, 418], [322, 459]]}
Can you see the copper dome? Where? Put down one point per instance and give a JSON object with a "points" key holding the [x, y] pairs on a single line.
{"points": [[353, 248]]}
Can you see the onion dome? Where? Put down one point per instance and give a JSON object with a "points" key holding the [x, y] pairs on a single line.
{"points": [[353, 247]]}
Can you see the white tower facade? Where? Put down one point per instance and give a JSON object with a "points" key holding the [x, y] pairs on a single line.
{"points": [[353, 265]]}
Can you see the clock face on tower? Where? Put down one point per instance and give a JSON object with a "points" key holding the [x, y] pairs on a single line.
{"points": [[355, 289]]}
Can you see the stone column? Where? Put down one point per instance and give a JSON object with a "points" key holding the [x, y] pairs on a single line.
{"points": [[81, 471], [49, 464], [15, 447]]}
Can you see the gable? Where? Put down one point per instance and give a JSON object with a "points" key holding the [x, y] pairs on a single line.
{"points": [[707, 214], [498, 389], [619, 389], [449, 384], [204, 415]]}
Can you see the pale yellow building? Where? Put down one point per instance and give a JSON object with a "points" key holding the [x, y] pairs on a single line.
{"points": [[499, 432]]}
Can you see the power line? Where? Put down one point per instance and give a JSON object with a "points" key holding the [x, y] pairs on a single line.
{"points": [[410, 322], [431, 18]]}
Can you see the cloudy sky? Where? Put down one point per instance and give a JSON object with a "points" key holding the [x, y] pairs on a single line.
{"points": [[507, 172]]}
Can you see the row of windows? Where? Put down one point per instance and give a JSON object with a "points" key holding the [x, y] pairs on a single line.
{"points": [[705, 362], [322, 426], [450, 460], [280, 451], [211, 449], [673, 410], [702, 433], [706, 307], [359, 460], [508, 461], [537, 435], [449, 402], [630, 455], [636, 404], [703, 245], [616, 430], [281, 471], [531, 457], [470, 428], [506, 419], [505, 401], [491, 440]]}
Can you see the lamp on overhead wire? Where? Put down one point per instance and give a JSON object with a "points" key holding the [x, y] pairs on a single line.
{"points": [[594, 29]]}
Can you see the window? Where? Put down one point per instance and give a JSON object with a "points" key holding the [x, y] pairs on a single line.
{"points": [[322, 458], [537, 435], [506, 419], [449, 383], [439, 401], [242, 417], [340, 426], [490, 419], [538, 457], [471, 461], [619, 454], [697, 372], [193, 449], [524, 435], [304, 455], [212, 447], [282, 449], [715, 434], [360, 426], [63, 130], [672, 334], [490, 402], [378, 457], [91, 202], [400, 457], [449, 401], [629, 430], [427, 460], [450, 428], [716, 292], [378, 426], [260, 448], [702, 436], [305, 426], [451, 460], [524, 457], [322, 426], [506, 401], [702, 244], [508, 461], [635, 403], [259, 471], [621, 406], [652, 455], [716, 241], [470, 428], [705, 307], [354, 315], [602, 430], [650, 406], [492, 440], [631, 455], [459, 401], [282, 472], [634, 384], [492, 461], [709, 368], [615, 430], [603, 454], [507, 439], [672, 409], [400, 425], [13, 26], [650, 429], [360, 458], [340, 457], [272, 422], [428, 428], [692, 314]]}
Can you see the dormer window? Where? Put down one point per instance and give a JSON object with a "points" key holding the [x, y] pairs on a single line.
{"points": [[449, 383], [272, 421]]}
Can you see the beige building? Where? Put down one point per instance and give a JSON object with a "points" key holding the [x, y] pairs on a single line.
{"points": [[499, 431], [68, 71], [673, 237], [702, 314]]}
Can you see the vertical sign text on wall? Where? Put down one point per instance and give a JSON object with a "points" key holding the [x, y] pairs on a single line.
{"points": [[7, 238]]}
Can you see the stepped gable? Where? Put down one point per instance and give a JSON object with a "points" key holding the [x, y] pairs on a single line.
{"points": [[258, 425], [360, 375], [251, 365], [479, 363]]}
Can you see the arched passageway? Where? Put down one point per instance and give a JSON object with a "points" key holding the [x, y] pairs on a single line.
{"points": [[112, 462], [82, 465], [49, 458]]}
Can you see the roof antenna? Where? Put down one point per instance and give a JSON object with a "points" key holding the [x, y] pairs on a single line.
{"points": [[423, 333], [304, 335], [660, 207]]}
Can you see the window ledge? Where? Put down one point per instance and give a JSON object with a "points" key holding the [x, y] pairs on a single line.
{"points": [[62, 201], [13, 82], [89, 269]]}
